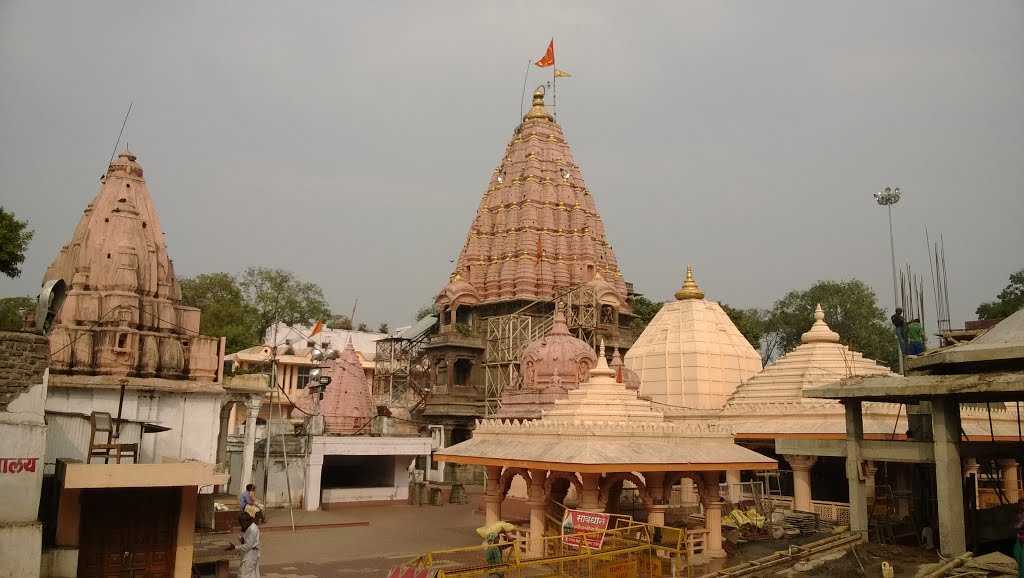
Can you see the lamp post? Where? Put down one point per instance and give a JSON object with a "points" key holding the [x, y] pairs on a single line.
{"points": [[318, 382], [888, 197]]}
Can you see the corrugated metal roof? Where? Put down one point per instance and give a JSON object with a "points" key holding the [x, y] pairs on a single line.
{"points": [[419, 327], [363, 341]]}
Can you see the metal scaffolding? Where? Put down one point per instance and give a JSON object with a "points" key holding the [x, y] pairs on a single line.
{"points": [[505, 337], [396, 380]]}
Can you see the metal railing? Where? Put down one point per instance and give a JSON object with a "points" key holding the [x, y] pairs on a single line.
{"points": [[833, 512]]}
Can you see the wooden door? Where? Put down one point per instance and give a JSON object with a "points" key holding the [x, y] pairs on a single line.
{"points": [[128, 533]]}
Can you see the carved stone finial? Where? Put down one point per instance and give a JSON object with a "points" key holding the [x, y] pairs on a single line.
{"points": [[690, 289], [820, 332]]}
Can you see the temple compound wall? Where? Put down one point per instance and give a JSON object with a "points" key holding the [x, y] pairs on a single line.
{"points": [[23, 380]]}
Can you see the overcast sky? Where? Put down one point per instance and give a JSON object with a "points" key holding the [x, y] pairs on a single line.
{"points": [[351, 143]]}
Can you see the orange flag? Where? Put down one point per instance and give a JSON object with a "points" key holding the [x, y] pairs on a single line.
{"points": [[317, 328], [549, 56]]}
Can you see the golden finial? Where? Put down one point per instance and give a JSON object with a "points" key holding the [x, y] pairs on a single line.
{"points": [[690, 289], [538, 110]]}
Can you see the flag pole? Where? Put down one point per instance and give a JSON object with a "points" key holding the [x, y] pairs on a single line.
{"points": [[522, 98], [554, 82]]}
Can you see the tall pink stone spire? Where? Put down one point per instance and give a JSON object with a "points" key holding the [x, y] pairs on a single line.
{"points": [[346, 406], [537, 230], [123, 314]]}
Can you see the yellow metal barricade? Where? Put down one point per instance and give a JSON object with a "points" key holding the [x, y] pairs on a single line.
{"points": [[633, 550]]}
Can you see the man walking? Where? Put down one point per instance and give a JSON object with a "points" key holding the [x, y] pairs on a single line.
{"points": [[249, 547]]}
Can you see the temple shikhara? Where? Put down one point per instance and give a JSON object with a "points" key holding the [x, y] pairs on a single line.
{"points": [[123, 314], [536, 264]]}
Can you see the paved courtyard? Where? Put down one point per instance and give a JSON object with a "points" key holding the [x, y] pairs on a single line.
{"points": [[394, 533]]}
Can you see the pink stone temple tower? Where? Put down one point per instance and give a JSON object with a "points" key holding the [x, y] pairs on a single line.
{"points": [[123, 314], [536, 237]]}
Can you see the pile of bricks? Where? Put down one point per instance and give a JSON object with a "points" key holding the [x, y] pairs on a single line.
{"points": [[24, 358]]}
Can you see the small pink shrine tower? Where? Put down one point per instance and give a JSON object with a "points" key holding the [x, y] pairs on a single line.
{"points": [[123, 314], [346, 406], [551, 366]]}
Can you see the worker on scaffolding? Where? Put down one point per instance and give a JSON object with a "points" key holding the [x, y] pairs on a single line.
{"points": [[899, 324], [915, 337]]}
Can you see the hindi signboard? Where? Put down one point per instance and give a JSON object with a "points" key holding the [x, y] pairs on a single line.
{"points": [[576, 523]]}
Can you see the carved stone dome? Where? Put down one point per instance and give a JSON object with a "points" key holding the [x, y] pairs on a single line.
{"points": [[558, 360], [458, 290], [691, 355]]}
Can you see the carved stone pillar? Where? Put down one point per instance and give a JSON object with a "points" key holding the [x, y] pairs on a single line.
{"points": [[732, 480], [655, 482], [1011, 485], [801, 481], [222, 439], [712, 515], [492, 495], [590, 497], [538, 506], [655, 501], [253, 405]]}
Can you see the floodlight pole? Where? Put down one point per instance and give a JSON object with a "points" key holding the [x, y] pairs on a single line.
{"points": [[888, 197], [892, 257]]}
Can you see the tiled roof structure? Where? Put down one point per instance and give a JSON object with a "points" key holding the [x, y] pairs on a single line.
{"points": [[537, 231], [772, 404], [123, 314], [819, 358], [603, 424], [691, 355]]}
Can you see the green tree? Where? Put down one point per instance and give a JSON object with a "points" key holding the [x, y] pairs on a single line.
{"points": [[644, 310], [851, 310], [383, 328], [225, 312], [14, 239], [363, 327], [1009, 300], [278, 295], [424, 311], [12, 312]]}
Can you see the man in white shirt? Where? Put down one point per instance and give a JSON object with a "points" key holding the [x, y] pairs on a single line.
{"points": [[249, 547]]}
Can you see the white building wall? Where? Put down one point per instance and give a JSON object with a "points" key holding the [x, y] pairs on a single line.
{"points": [[402, 449], [193, 419], [22, 438], [278, 482]]}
